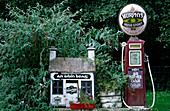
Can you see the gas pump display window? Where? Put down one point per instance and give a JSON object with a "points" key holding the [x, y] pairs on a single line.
{"points": [[135, 58], [135, 46]]}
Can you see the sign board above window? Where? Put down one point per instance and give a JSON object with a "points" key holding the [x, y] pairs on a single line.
{"points": [[72, 76]]}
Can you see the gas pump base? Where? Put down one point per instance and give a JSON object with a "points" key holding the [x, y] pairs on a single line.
{"points": [[138, 107], [102, 109]]}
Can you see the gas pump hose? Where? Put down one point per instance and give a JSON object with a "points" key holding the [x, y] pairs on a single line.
{"points": [[153, 88]]}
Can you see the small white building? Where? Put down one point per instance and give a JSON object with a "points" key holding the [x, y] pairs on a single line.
{"points": [[68, 75]]}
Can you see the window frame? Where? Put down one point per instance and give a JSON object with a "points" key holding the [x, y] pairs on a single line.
{"points": [[58, 88], [86, 87], [131, 58]]}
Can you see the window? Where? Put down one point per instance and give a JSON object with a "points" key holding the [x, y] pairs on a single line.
{"points": [[135, 58], [57, 86], [86, 86], [135, 46]]}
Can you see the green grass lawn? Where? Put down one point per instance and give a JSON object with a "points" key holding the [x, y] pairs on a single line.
{"points": [[162, 100]]}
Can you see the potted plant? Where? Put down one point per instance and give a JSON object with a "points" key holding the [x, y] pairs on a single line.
{"points": [[110, 96], [85, 101], [109, 83]]}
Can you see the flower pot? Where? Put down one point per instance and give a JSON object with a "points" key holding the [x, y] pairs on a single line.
{"points": [[82, 106], [88, 106], [76, 105]]}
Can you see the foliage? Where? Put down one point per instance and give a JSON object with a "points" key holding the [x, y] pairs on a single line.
{"points": [[110, 76], [27, 33], [24, 52], [85, 98], [108, 71], [165, 28], [104, 13]]}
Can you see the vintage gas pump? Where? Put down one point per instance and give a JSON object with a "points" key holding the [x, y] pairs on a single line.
{"points": [[133, 20], [135, 93]]}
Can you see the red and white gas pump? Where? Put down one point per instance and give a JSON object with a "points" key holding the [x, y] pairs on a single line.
{"points": [[133, 20], [134, 67], [135, 91]]}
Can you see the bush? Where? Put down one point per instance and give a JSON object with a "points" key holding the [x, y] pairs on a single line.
{"points": [[24, 53], [24, 83]]}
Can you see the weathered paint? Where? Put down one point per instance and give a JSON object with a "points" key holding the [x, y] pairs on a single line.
{"points": [[72, 65], [135, 97], [111, 99]]}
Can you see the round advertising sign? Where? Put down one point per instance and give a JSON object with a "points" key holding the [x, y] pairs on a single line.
{"points": [[132, 19]]}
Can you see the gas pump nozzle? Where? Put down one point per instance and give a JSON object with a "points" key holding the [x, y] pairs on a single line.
{"points": [[123, 44], [146, 58]]}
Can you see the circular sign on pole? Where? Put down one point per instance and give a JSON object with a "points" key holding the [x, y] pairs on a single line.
{"points": [[132, 19]]}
